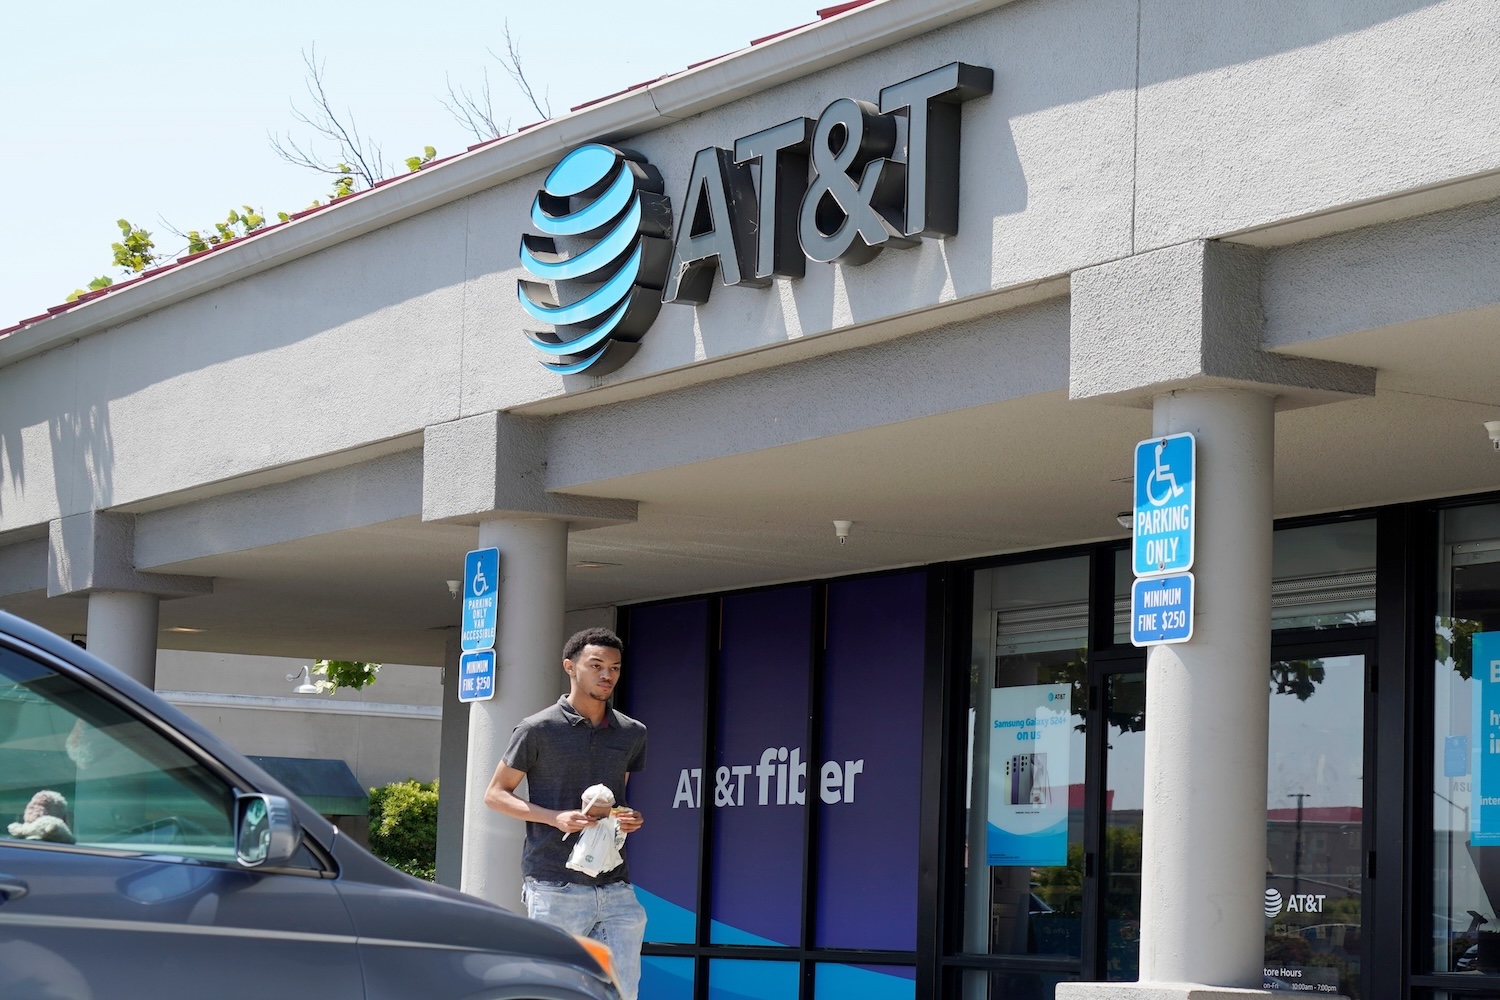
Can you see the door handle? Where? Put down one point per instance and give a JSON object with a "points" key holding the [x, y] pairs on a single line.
{"points": [[12, 888]]}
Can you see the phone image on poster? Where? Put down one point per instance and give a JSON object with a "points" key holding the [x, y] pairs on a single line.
{"points": [[1029, 782], [1032, 785], [1029, 742]]}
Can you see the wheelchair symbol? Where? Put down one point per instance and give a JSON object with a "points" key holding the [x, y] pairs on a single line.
{"points": [[480, 584], [1162, 474]]}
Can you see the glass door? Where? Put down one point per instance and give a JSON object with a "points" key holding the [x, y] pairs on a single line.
{"points": [[1315, 823], [1054, 791], [1465, 751], [1315, 816]]}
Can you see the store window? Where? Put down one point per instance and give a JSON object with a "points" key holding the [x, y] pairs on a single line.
{"points": [[1124, 800], [1315, 848], [741, 979], [1015, 984], [871, 741], [666, 671], [664, 977], [786, 736], [1023, 885], [760, 797], [1466, 745], [867, 982], [1323, 575]]}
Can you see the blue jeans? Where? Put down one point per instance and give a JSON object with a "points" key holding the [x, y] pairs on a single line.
{"points": [[608, 913]]}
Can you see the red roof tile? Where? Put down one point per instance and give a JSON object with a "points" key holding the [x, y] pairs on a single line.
{"points": [[839, 8]]}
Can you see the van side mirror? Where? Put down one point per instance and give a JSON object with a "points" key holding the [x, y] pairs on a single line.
{"points": [[265, 831]]}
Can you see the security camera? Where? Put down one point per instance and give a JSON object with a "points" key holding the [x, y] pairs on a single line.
{"points": [[1493, 427]]}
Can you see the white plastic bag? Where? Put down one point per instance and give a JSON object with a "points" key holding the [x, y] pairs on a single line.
{"points": [[598, 848]]}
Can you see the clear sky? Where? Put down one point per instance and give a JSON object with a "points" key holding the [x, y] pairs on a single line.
{"points": [[159, 113]]}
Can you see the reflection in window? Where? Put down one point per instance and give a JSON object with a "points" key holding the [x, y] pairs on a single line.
{"points": [[1323, 575], [1314, 826], [1465, 761], [74, 768], [1015, 984], [1028, 694], [1123, 801]]}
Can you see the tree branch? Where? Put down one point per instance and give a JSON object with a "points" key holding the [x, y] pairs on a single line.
{"points": [[357, 154], [475, 113], [511, 60]]}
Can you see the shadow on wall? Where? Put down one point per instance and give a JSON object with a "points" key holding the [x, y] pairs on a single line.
{"points": [[285, 308], [82, 456], [13, 456]]}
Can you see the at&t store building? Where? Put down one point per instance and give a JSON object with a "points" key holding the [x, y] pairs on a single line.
{"points": [[820, 371]]}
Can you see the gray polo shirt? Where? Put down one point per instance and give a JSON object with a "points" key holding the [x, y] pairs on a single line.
{"points": [[561, 755]]}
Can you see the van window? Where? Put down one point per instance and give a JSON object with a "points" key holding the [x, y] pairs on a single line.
{"points": [[77, 769]]}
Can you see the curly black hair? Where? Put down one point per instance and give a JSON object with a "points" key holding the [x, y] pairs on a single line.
{"points": [[591, 637]]}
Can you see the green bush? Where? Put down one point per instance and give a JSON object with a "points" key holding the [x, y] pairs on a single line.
{"points": [[403, 826]]}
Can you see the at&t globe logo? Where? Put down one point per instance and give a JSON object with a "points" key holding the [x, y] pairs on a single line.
{"points": [[601, 290], [1273, 902]]}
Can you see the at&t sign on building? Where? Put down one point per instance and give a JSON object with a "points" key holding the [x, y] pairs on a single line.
{"points": [[830, 189]]}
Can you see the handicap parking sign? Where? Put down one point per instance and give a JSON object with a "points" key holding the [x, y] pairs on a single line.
{"points": [[481, 599], [1165, 510]]}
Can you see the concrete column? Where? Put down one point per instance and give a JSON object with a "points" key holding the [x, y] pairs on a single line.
{"points": [[1204, 839], [453, 763], [1203, 877], [533, 571], [122, 632]]}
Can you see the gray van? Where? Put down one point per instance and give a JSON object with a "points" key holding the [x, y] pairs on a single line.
{"points": [[141, 857]]}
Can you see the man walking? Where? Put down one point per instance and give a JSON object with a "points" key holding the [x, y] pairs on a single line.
{"points": [[562, 750]]}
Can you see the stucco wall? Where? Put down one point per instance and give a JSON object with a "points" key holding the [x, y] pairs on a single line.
{"points": [[1114, 127], [378, 748]]}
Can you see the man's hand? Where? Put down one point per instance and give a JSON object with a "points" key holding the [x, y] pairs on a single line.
{"points": [[630, 820], [573, 820]]}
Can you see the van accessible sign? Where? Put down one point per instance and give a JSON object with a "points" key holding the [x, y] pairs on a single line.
{"points": [[481, 591], [856, 180]]}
